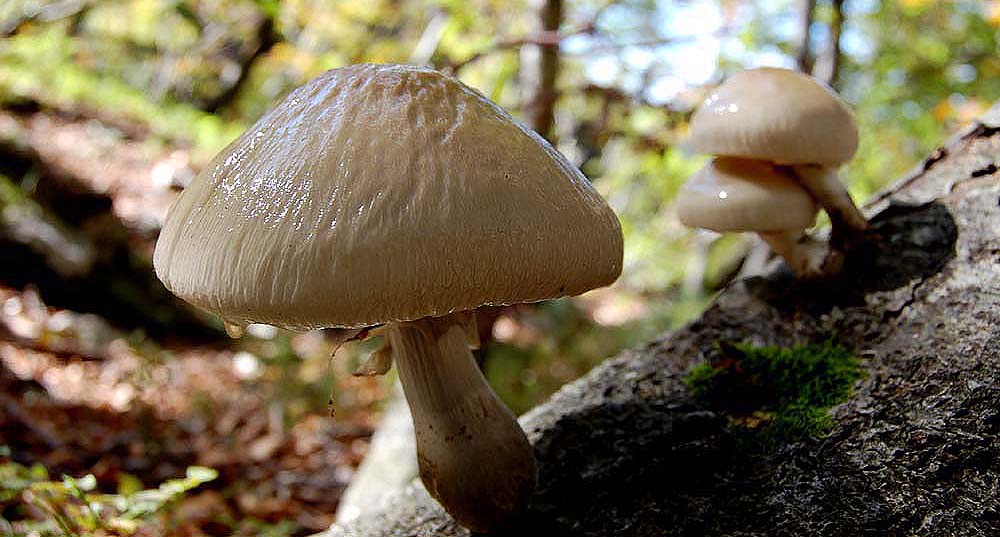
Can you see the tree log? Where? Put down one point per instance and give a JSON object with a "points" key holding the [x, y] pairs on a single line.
{"points": [[627, 450]]}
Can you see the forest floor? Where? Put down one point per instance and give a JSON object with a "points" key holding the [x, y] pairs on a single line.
{"points": [[80, 395]]}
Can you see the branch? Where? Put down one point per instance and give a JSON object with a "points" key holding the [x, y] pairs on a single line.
{"points": [[266, 38], [547, 37], [541, 39], [550, 38]]}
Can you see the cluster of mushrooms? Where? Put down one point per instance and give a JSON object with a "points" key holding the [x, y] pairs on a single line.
{"points": [[778, 137], [395, 199]]}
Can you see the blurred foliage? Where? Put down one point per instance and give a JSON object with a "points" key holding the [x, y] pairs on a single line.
{"points": [[933, 66], [776, 394], [557, 342], [72, 506], [47, 68], [197, 72], [188, 76]]}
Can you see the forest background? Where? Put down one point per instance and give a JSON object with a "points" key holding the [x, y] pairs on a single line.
{"points": [[108, 108]]}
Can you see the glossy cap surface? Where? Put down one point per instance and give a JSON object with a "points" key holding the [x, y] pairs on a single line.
{"points": [[379, 193], [731, 194], [778, 115]]}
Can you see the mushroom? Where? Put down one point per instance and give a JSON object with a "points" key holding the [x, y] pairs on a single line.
{"points": [[792, 120], [395, 195], [732, 194]]}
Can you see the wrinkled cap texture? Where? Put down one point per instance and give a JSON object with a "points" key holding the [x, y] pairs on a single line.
{"points": [[731, 194], [778, 115], [379, 193]]}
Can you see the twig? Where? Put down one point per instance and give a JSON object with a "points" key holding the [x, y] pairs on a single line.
{"points": [[12, 407], [543, 38], [556, 38]]}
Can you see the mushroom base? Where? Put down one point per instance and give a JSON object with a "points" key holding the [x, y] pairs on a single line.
{"points": [[473, 456], [825, 186], [808, 257]]}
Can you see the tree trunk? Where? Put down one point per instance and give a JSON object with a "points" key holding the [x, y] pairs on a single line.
{"points": [[627, 450], [828, 65], [542, 69], [803, 48]]}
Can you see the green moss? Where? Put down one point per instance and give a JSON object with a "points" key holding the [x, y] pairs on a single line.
{"points": [[776, 394]]}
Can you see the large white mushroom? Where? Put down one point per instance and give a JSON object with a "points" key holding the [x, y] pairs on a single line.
{"points": [[792, 120], [392, 194]]}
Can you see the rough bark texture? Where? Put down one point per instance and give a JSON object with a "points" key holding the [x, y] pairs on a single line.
{"points": [[914, 451]]}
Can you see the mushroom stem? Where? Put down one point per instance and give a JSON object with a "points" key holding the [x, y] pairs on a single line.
{"points": [[808, 257], [473, 456], [824, 185]]}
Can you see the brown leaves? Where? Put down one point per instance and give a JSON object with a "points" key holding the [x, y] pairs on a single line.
{"points": [[133, 407]]}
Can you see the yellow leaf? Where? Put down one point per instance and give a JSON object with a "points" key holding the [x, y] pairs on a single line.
{"points": [[943, 111], [993, 13]]}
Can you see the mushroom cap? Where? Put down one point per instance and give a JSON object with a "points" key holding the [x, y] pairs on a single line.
{"points": [[378, 193], [778, 115], [731, 194]]}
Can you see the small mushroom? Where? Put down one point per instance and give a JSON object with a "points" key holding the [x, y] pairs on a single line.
{"points": [[393, 194], [731, 194], [792, 120]]}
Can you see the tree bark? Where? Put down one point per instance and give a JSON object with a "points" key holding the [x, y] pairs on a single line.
{"points": [[627, 450], [543, 70]]}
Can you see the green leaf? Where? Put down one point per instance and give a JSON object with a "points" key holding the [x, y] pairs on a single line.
{"points": [[200, 474], [128, 484]]}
